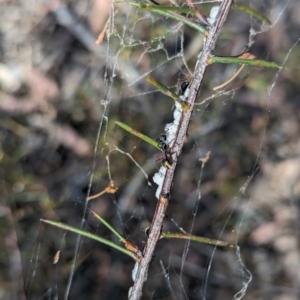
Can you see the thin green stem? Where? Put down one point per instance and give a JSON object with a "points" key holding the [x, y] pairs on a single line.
{"points": [[138, 134], [240, 61], [199, 239], [252, 12], [91, 236], [107, 225], [169, 13], [167, 92]]}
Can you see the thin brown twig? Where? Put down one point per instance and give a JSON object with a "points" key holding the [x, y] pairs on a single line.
{"points": [[202, 63], [206, 158], [201, 18], [110, 189], [102, 34]]}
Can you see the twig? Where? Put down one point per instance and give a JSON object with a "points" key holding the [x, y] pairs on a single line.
{"points": [[202, 19], [162, 204], [102, 34], [110, 189]]}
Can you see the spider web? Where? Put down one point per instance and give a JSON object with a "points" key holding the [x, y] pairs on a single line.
{"points": [[246, 193]]}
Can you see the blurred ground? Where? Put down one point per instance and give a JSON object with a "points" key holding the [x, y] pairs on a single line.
{"points": [[55, 94]]}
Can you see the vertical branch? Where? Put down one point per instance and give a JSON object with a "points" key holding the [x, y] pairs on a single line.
{"points": [[202, 63]]}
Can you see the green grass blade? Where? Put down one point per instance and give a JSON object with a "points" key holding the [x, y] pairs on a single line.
{"points": [[177, 9], [138, 134], [252, 12], [199, 239], [240, 61], [168, 10], [107, 225], [167, 92], [91, 236], [242, 7], [169, 13]]}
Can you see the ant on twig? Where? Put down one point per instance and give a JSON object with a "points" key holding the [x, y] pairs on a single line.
{"points": [[183, 87], [166, 157], [167, 160]]}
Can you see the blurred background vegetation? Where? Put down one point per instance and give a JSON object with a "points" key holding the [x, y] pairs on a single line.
{"points": [[59, 93]]}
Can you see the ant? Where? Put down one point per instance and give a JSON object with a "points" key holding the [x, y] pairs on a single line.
{"points": [[162, 144], [184, 86], [147, 230]]}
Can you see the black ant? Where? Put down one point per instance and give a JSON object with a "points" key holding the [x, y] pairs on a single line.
{"points": [[162, 144], [183, 86], [147, 231]]}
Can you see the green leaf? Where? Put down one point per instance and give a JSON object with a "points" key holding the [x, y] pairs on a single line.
{"points": [[252, 12], [91, 236], [138, 134], [167, 12], [173, 11], [167, 92], [199, 239], [107, 225], [240, 61]]}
